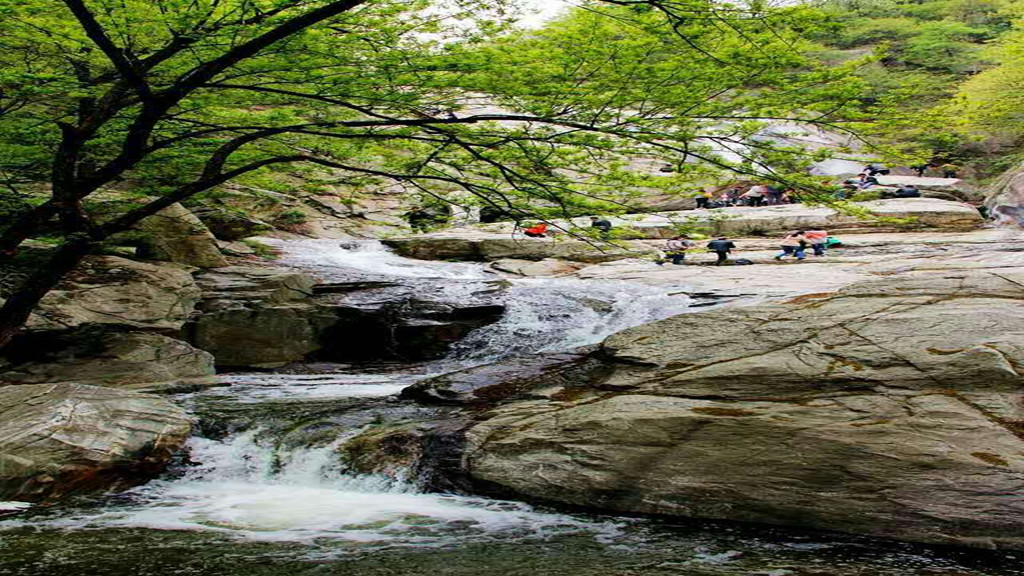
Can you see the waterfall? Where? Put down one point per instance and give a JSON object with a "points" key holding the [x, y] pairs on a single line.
{"points": [[245, 487]]}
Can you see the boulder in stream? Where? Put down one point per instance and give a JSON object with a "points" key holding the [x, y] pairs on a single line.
{"points": [[57, 440], [109, 290], [130, 360], [892, 408], [257, 317]]}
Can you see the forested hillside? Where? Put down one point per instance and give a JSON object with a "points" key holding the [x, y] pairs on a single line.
{"points": [[945, 76]]}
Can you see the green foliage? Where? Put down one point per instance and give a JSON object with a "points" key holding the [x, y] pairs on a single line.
{"points": [[993, 102], [291, 218]]}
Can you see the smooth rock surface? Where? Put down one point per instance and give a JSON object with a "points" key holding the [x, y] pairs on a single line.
{"points": [[175, 234], [118, 291], [893, 408], [474, 245], [547, 268], [1006, 198], [259, 317], [120, 360], [63, 439]]}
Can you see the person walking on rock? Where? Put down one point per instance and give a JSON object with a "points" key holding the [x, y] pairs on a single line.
{"points": [[755, 196], [818, 239], [793, 245], [723, 247], [676, 249], [603, 226]]}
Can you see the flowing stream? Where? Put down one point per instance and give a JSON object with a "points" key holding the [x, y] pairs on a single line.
{"points": [[252, 500]]}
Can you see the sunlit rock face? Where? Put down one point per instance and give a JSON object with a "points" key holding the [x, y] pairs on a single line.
{"points": [[62, 439], [1006, 199], [892, 408]]}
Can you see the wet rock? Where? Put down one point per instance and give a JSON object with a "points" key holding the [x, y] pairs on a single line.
{"points": [[138, 361], [109, 290], [891, 408], [403, 328], [267, 318], [535, 376], [478, 246], [547, 268], [176, 235], [62, 439], [257, 317]]}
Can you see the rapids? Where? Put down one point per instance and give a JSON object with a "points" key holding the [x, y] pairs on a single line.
{"points": [[250, 500]]}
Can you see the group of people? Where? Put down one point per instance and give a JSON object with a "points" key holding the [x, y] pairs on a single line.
{"points": [[948, 170], [756, 195], [794, 244]]}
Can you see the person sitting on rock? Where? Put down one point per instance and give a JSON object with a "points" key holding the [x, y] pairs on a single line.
{"points": [[865, 181], [949, 170], [704, 199], [537, 231], [793, 245], [875, 169], [675, 249], [723, 247], [908, 191], [818, 240], [603, 226]]}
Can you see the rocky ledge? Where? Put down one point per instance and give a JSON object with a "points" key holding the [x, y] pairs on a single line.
{"points": [[891, 408], [62, 439], [495, 242]]}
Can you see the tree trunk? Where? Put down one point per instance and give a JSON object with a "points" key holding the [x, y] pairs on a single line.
{"points": [[24, 227], [17, 309]]}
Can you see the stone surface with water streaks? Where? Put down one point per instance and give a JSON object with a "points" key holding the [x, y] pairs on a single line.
{"points": [[893, 408], [63, 439]]}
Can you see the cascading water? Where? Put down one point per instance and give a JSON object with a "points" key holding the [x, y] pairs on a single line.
{"points": [[257, 498], [246, 487]]}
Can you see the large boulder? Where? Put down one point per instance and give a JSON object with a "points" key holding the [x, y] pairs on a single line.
{"points": [[138, 361], [547, 268], [1005, 200], [175, 234], [405, 328], [485, 247], [267, 318], [117, 291], [892, 408], [230, 225], [512, 379], [63, 439], [257, 317]]}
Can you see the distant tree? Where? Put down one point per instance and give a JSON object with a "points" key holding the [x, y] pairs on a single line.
{"points": [[992, 103], [174, 98]]}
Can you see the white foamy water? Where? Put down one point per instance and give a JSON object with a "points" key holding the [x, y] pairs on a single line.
{"points": [[556, 315], [244, 487], [543, 314], [327, 258], [260, 387]]}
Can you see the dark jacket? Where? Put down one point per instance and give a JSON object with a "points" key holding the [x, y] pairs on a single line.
{"points": [[721, 246]]}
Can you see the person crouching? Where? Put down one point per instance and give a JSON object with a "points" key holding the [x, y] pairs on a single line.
{"points": [[675, 249]]}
